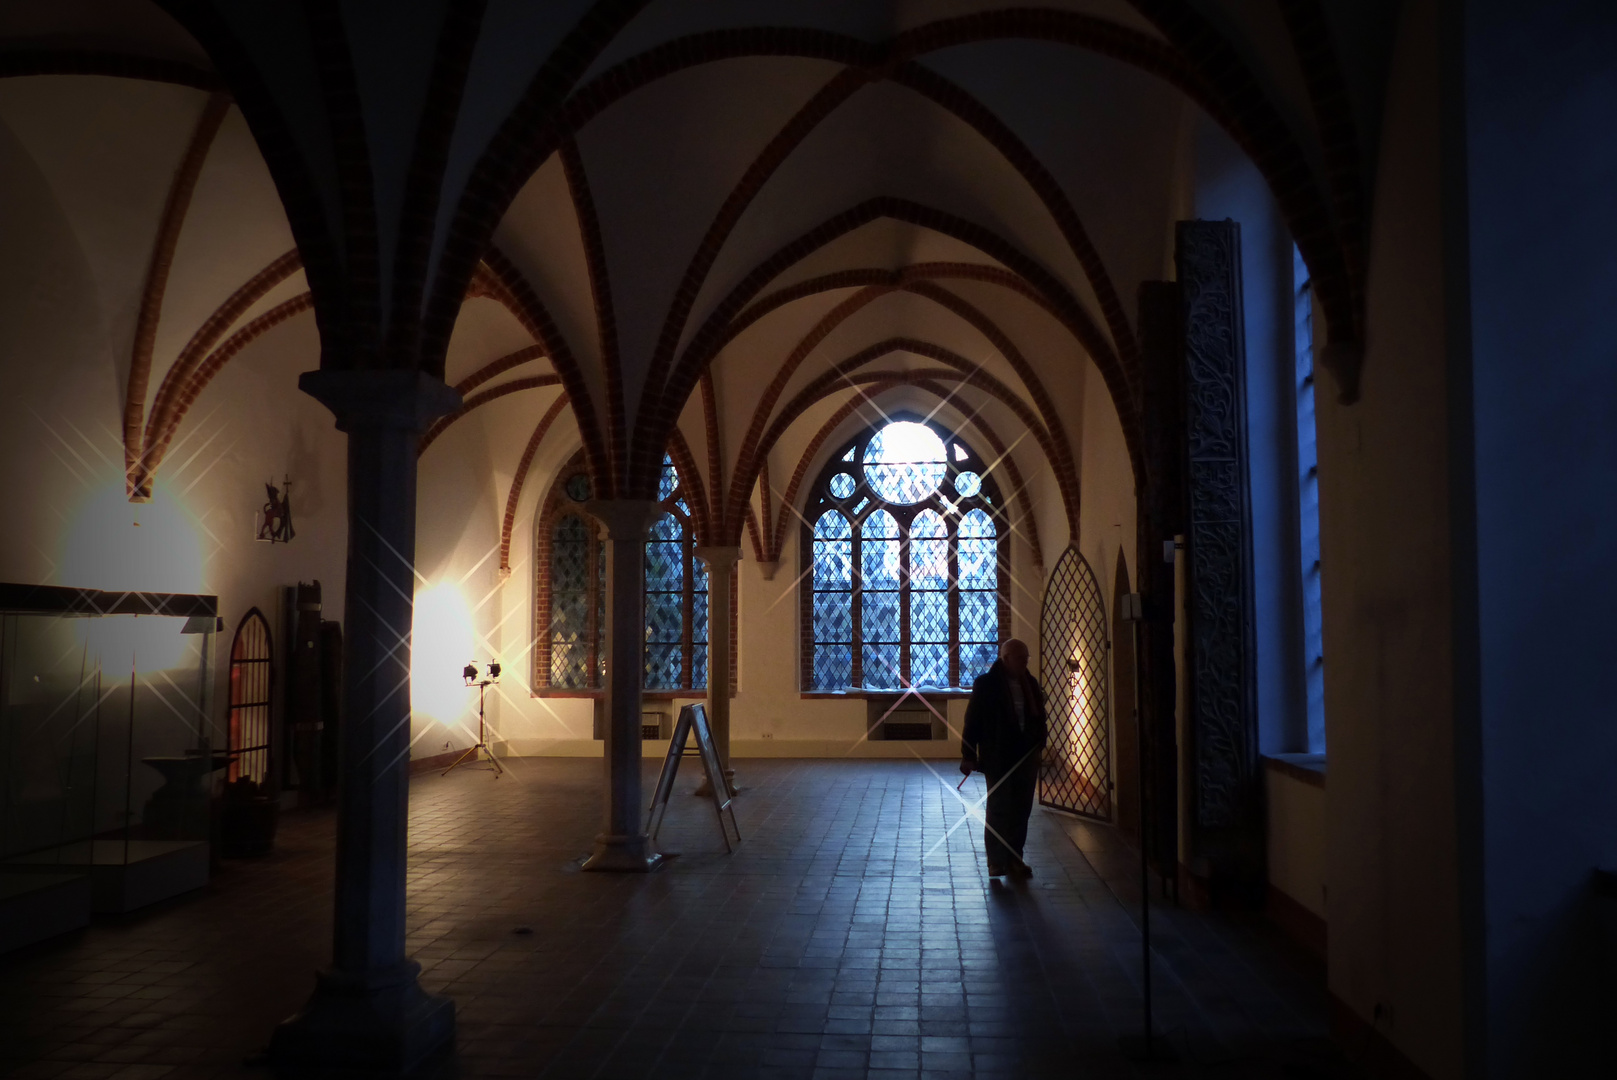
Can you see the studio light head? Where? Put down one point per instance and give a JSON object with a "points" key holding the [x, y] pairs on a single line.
{"points": [[469, 673], [494, 670]]}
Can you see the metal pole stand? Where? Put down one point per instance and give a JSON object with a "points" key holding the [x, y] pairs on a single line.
{"points": [[482, 738], [1147, 1046]]}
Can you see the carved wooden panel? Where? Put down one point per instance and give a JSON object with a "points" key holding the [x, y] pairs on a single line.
{"points": [[1222, 720]]}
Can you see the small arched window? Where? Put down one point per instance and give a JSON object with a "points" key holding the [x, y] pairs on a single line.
{"points": [[905, 566]]}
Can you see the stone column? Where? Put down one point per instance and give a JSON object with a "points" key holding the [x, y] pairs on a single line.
{"points": [[624, 845], [368, 1011], [721, 564]]}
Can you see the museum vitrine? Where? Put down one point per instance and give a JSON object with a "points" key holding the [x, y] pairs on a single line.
{"points": [[109, 753]]}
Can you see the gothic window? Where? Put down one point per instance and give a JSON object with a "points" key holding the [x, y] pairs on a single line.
{"points": [[573, 641], [571, 603], [676, 594], [577, 564], [906, 574]]}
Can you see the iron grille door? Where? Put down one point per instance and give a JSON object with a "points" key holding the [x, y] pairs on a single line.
{"points": [[1077, 770], [251, 662]]}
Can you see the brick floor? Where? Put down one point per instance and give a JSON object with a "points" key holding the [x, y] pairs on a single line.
{"points": [[851, 935]]}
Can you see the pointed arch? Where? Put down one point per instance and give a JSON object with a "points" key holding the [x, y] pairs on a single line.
{"points": [[1077, 770]]}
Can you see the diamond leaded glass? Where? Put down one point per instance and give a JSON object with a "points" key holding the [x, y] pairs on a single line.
{"points": [[905, 462], [979, 552], [833, 666], [569, 666], [881, 666], [929, 552], [979, 616], [975, 660], [668, 480], [833, 552], [676, 593], [929, 665], [570, 603], [833, 617], [664, 666], [929, 615], [879, 557], [569, 580], [879, 616]]}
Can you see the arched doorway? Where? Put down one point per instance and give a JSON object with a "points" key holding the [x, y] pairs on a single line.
{"points": [[251, 690], [1077, 771]]}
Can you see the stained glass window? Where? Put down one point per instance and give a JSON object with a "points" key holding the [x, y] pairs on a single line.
{"points": [[573, 609], [676, 593], [903, 579], [577, 621]]}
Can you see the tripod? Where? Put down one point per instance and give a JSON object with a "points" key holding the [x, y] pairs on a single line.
{"points": [[482, 738]]}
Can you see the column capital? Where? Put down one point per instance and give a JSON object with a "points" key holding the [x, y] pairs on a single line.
{"points": [[625, 519], [718, 557], [400, 400]]}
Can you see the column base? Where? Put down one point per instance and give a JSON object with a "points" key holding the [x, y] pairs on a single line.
{"points": [[705, 789], [383, 1023], [624, 855]]}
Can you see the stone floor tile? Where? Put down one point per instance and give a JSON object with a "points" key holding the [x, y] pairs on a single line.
{"points": [[832, 943]]}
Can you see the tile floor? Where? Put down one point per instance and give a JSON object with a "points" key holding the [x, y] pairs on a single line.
{"points": [[852, 934]]}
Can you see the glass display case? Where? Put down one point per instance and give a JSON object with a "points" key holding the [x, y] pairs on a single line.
{"points": [[109, 753]]}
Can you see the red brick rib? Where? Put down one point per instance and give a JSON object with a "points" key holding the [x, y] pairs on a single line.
{"points": [[151, 299], [515, 494]]}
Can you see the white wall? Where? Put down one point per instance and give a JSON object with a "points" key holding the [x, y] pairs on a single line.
{"points": [[85, 166], [1395, 929], [1296, 839]]}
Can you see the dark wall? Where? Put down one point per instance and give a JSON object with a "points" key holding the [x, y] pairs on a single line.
{"points": [[1541, 169]]}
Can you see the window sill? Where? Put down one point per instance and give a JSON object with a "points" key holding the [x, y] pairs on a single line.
{"points": [[1306, 768], [645, 695], [950, 693]]}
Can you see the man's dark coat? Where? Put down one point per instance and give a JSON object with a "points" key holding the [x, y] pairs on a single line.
{"points": [[991, 742]]}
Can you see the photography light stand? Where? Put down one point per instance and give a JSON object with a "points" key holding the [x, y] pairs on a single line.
{"points": [[472, 677]]}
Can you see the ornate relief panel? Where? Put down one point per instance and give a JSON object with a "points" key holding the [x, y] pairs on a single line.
{"points": [[1222, 716]]}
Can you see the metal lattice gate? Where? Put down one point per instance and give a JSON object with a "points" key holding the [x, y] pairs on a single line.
{"points": [[1077, 768]]}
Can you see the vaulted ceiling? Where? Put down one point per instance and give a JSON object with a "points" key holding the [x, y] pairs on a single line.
{"points": [[743, 222]]}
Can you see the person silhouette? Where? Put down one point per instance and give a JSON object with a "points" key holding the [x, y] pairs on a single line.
{"points": [[1004, 739]]}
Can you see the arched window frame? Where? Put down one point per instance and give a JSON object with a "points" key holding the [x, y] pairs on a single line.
{"points": [[566, 498], [857, 507], [252, 698], [691, 643]]}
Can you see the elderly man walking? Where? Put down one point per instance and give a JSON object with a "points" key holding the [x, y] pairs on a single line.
{"points": [[1004, 740]]}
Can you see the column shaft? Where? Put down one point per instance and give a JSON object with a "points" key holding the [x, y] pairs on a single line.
{"points": [[721, 563], [624, 845], [368, 1011]]}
